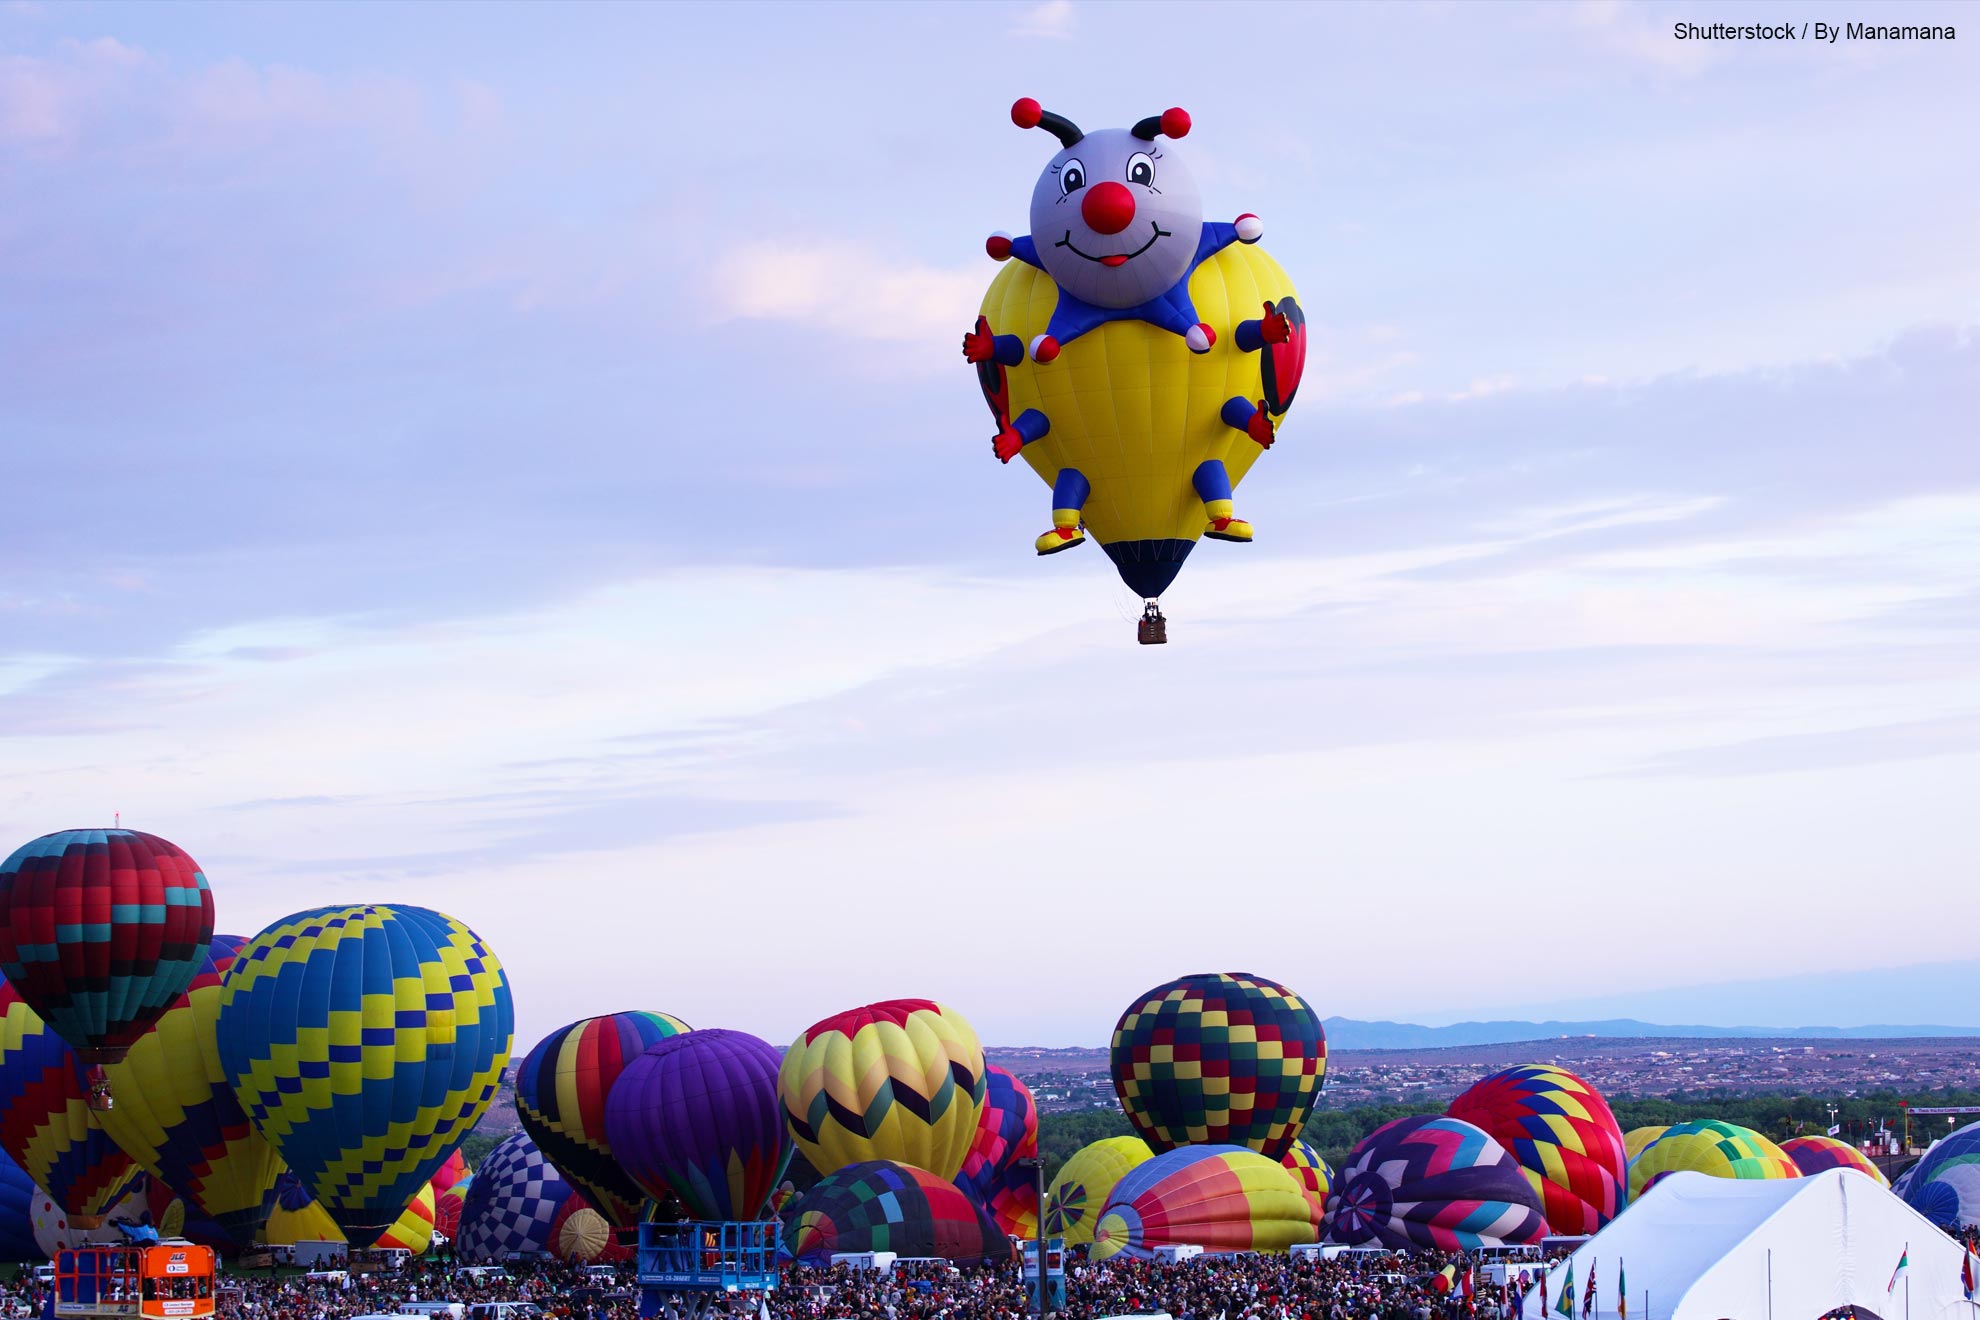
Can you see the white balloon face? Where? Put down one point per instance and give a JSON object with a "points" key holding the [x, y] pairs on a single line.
{"points": [[1116, 220]]}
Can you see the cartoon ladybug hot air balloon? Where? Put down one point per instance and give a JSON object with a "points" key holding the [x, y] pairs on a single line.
{"points": [[1138, 356], [100, 930]]}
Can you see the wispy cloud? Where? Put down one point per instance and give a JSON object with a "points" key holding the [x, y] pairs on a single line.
{"points": [[1054, 20]]}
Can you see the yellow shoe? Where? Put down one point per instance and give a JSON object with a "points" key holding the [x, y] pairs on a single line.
{"points": [[1060, 538], [1228, 529]]}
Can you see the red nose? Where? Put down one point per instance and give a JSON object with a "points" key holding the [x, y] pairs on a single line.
{"points": [[1108, 208]]}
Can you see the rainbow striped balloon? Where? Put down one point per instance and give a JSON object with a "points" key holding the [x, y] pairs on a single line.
{"points": [[46, 1123], [1721, 1150], [1814, 1154], [1220, 1198]]}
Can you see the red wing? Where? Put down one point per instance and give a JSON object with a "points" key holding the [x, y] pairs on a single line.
{"points": [[996, 384], [1284, 363]]}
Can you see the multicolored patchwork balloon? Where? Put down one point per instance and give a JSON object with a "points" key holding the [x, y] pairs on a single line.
{"points": [[413, 1229], [1220, 1198], [1313, 1173], [177, 1116], [1074, 1200], [100, 930], [1721, 1150], [364, 1043], [1815, 1154], [901, 1080], [561, 1090], [46, 1123], [696, 1116], [1219, 1059], [1429, 1181], [1006, 1132], [879, 1205], [512, 1204], [1944, 1185], [1563, 1134]]}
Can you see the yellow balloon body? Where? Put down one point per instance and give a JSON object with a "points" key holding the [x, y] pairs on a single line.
{"points": [[1220, 1198], [1075, 1198], [901, 1080], [1636, 1139], [1720, 1150], [177, 1117], [1130, 406], [413, 1230]]}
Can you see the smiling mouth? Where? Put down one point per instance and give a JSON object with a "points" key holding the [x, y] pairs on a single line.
{"points": [[1118, 258]]}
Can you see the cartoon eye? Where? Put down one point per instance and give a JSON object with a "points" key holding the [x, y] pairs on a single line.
{"points": [[1141, 169], [1072, 176]]}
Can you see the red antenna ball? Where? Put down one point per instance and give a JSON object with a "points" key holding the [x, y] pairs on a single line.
{"points": [[1175, 122], [1026, 113]]}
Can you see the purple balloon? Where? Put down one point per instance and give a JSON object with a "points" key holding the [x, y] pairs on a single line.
{"points": [[697, 1116]]}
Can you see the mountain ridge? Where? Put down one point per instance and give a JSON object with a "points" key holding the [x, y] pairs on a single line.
{"points": [[1355, 1034]]}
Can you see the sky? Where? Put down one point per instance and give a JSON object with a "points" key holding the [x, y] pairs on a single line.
{"points": [[515, 459]]}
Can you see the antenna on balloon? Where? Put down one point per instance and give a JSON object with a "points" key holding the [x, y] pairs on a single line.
{"points": [[118, 818], [1027, 113]]}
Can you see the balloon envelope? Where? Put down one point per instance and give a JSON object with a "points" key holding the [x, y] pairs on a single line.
{"points": [[17, 1197], [697, 1116], [512, 1203], [46, 1124], [561, 1092], [178, 1118], [1813, 1155], [878, 1205], [1006, 1132], [1226, 1058], [1311, 1171], [1944, 1185], [100, 930], [1074, 1200], [1636, 1139], [1434, 1182], [1564, 1136], [1722, 1150], [901, 1080], [1220, 1198], [364, 1042]]}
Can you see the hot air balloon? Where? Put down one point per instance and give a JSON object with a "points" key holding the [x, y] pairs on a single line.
{"points": [[447, 1209], [17, 1198], [455, 1170], [55, 1231], [100, 930], [413, 1229], [46, 1123], [1006, 1132], [1944, 1185], [1636, 1139], [1219, 1059], [1560, 1130], [1305, 1164], [561, 1090], [1723, 1150], [1813, 1155], [364, 1042], [178, 1118], [512, 1203], [1158, 370], [901, 1080], [581, 1235], [878, 1205], [1074, 1200], [301, 1218], [1220, 1198], [1435, 1182], [697, 1116], [173, 1216]]}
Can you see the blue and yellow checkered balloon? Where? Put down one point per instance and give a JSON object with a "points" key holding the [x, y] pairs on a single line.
{"points": [[364, 1043]]}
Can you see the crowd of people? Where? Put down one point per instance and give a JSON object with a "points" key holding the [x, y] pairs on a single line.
{"points": [[1241, 1287]]}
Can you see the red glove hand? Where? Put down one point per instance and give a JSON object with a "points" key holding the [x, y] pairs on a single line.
{"points": [[1006, 443], [1273, 327], [979, 346], [1259, 428]]}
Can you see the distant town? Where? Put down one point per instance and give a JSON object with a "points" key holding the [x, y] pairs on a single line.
{"points": [[1070, 1080]]}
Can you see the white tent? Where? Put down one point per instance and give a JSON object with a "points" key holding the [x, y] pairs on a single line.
{"points": [[1702, 1248]]}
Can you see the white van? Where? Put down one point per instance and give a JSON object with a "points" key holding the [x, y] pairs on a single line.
{"points": [[1174, 1253], [880, 1262], [504, 1311], [442, 1310]]}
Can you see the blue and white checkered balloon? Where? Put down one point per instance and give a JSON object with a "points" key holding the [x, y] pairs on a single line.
{"points": [[511, 1203]]}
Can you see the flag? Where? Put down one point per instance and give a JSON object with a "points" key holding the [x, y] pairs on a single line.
{"points": [[1622, 1294], [1566, 1305], [1904, 1263], [1588, 1294], [1470, 1297], [1835, 1130], [1966, 1280]]}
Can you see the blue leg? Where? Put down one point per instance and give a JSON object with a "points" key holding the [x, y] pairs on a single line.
{"points": [[1069, 492], [1213, 487]]}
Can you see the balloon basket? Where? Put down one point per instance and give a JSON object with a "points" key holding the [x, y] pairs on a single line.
{"points": [[100, 1098], [1153, 629]]}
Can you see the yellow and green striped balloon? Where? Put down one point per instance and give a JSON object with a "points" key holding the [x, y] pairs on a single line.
{"points": [[364, 1043]]}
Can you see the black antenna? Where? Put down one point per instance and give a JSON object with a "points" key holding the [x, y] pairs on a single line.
{"points": [[1027, 113], [1173, 122]]}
